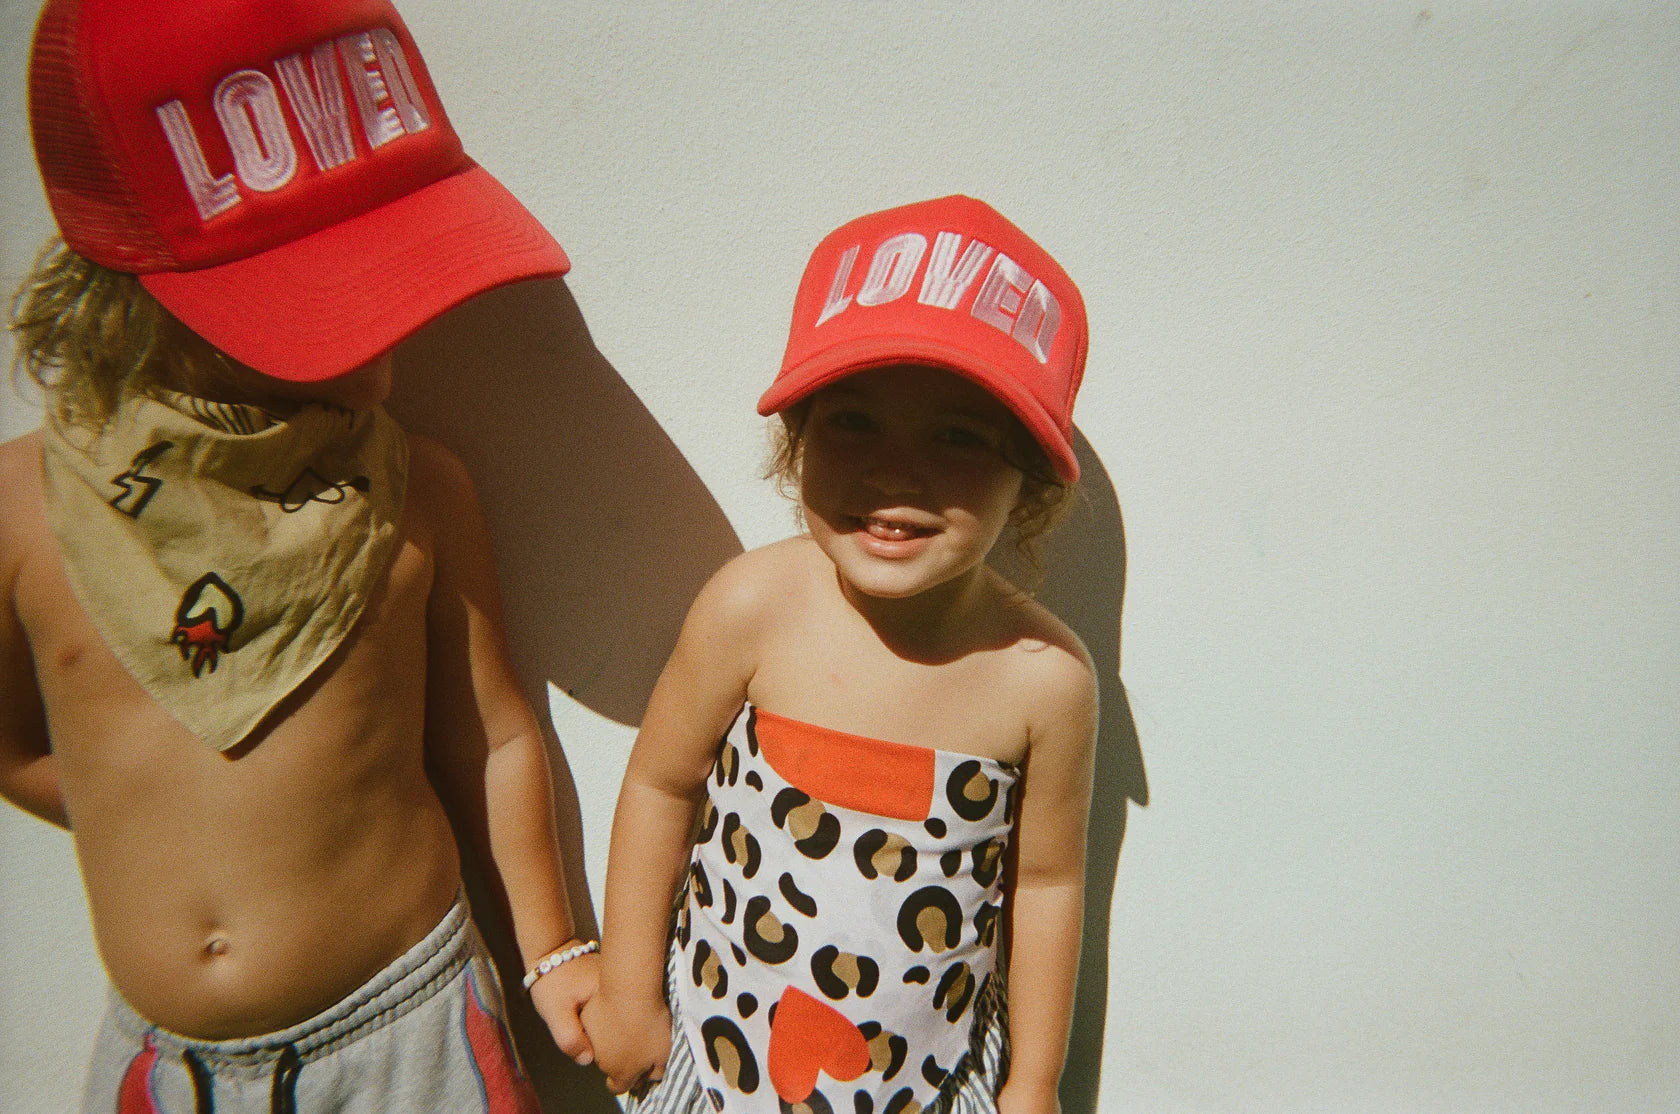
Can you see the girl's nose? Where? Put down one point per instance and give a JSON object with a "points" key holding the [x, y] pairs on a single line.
{"points": [[893, 475]]}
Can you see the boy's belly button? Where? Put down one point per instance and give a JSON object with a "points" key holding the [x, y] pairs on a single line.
{"points": [[216, 946]]}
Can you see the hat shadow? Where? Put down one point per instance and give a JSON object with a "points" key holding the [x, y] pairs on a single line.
{"points": [[1085, 585], [604, 536]]}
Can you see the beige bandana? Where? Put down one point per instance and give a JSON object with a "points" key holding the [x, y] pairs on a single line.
{"points": [[224, 552]]}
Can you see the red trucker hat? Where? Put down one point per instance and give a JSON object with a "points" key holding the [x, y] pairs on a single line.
{"points": [[948, 283], [280, 173]]}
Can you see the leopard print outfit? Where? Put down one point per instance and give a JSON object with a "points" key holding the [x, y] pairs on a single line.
{"points": [[836, 948]]}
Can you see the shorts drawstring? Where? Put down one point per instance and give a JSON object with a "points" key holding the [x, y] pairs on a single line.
{"points": [[282, 1099], [286, 1071], [204, 1095]]}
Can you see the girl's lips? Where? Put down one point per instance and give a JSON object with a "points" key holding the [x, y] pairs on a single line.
{"points": [[892, 529], [890, 538]]}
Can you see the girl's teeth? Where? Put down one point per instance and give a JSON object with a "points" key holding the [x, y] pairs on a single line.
{"points": [[889, 531]]}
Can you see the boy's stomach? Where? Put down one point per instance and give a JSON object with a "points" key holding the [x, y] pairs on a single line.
{"points": [[235, 894]]}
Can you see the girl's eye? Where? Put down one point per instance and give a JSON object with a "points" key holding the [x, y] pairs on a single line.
{"points": [[850, 421], [964, 437]]}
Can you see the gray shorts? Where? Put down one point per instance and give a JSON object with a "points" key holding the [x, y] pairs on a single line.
{"points": [[426, 1035]]}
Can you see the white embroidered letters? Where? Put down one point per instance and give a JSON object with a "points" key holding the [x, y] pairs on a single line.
{"points": [[893, 269], [259, 136], [1010, 299], [948, 278], [318, 100], [249, 109], [838, 299], [210, 194], [399, 81], [1037, 323]]}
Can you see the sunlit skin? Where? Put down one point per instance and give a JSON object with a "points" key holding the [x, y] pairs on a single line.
{"points": [[884, 621], [237, 893], [904, 487]]}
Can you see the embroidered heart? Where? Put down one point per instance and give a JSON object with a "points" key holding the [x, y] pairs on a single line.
{"points": [[808, 1036]]}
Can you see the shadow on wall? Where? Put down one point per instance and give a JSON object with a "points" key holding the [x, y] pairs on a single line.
{"points": [[603, 533], [1085, 585]]}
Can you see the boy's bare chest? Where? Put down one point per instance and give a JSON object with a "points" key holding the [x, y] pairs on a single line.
{"points": [[94, 705]]}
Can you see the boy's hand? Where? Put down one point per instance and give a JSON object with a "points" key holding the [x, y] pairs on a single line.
{"points": [[560, 997], [632, 1039]]}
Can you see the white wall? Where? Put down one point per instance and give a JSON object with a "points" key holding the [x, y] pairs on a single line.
{"points": [[1385, 374]]}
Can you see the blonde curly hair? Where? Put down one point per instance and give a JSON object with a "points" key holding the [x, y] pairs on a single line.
{"points": [[87, 334]]}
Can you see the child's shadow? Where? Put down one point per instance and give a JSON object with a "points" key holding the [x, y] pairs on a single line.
{"points": [[1085, 585], [604, 535]]}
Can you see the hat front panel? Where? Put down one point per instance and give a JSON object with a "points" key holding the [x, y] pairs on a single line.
{"points": [[245, 126], [950, 275]]}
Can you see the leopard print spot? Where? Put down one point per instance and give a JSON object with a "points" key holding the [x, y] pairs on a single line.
{"points": [[931, 918], [728, 1053], [955, 991], [797, 898], [902, 1103], [879, 853], [987, 856], [986, 922], [815, 830], [970, 792], [739, 846], [702, 886], [839, 974], [766, 936], [728, 767], [709, 972], [887, 1050], [815, 1103]]}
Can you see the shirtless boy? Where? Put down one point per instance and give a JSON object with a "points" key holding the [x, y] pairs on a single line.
{"points": [[251, 648]]}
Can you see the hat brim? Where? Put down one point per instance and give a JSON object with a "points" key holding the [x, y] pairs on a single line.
{"points": [[849, 357], [327, 303]]}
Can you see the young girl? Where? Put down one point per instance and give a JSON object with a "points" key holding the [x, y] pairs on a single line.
{"points": [[894, 718]]}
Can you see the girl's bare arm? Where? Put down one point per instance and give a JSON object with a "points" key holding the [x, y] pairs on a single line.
{"points": [[698, 695], [1046, 902]]}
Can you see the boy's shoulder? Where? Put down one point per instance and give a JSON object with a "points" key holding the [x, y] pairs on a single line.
{"points": [[20, 454], [20, 480], [440, 488]]}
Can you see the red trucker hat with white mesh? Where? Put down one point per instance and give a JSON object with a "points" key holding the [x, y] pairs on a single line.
{"points": [[279, 173], [951, 284]]}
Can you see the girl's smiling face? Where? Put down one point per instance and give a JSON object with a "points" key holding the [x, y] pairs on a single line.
{"points": [[903, 478]]}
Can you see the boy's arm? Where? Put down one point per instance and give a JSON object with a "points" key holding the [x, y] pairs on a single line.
{"points": [[484, 744], [699, 693], [28, 771], [1047, 901]]}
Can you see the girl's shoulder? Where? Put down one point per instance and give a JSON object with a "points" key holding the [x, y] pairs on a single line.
{"points": [[751, 590], [1048, 666]]}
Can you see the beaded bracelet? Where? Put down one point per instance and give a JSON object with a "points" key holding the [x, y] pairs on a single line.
{"points": [[557, 958]]}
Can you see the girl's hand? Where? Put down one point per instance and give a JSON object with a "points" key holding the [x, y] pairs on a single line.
{"points": [[1025, 1098], [560, 997], [632, 1039]]}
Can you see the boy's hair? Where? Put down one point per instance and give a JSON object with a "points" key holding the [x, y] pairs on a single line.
{"points": [[1044, 502], [87, 334]]}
